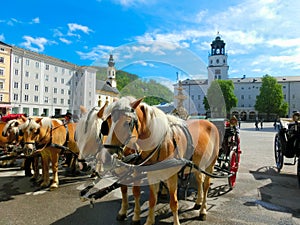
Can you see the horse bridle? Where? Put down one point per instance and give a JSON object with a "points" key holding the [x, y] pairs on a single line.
{"points": [[133, 124]]}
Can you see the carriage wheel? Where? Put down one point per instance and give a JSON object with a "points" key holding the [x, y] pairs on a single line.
{"points": [[234, 165], [278, 153]]}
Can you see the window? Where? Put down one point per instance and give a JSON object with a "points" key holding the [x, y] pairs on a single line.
{"points": [[46, 89], [1, 72], [36, 98], [16, 85], [26, 98], [17, 59], [46, 77], [26, 74], [46, 100], [37, 64], [2, 49], [242, 97], [16, 97], [36, 87], [47, 67], [217, 61], [1, 85], [63, 70], [55, 90], [62, 101], [16, 71], [36, 76], [54, 100], [1, 59], [217, 72], [1, 97], [55, 79], [62, 91], [62, 80], [27, 62], [26, 86], [56, 69]]}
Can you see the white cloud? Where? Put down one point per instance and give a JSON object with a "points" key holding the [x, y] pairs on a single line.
{"points": [[35, 20], [2, 38], [77, 27], [65, 41], [35, 44]]}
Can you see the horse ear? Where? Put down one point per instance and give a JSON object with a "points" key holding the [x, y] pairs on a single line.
{"points": [[83, 110], [100, 113], [23, 118], [38, 120], [136, 103]]}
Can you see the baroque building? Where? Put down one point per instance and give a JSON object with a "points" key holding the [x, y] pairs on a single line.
{"points": [[246, 89]]}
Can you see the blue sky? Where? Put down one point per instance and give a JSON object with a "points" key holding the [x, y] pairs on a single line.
{"points": [[160, 38]]}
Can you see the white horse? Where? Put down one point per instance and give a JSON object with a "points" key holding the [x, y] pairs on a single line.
{"points": [[90, 144], [88, 137]]}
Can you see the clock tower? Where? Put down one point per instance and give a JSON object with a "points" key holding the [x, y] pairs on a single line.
{"points": [[217, 61], [111, 72]]}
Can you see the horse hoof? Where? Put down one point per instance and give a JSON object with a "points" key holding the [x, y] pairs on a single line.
{"points": [[121, 217], [44, 185], [197, 207], [137, 222], [53, 186], [202, 217]]}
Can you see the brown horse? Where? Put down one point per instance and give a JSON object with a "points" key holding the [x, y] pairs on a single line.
{"points": [[157, 138], [49, 137]]}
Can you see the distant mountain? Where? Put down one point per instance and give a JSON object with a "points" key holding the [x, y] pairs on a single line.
{"points": [[131, 84]]}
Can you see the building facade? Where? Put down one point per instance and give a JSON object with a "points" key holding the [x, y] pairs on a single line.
{"points": [[245, 89], [38, 84], [5, 62]]}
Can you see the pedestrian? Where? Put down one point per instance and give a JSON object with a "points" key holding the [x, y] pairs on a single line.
{"points": [[275, 124], [239, 122], [261, 123], [256, 125]]}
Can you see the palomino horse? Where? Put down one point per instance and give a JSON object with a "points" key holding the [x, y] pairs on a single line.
{"points": [[11, 131], [90, 144], [48, 137], [158, 137]]}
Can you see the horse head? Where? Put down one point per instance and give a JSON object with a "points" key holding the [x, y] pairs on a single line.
{"points": [[34, 131]]}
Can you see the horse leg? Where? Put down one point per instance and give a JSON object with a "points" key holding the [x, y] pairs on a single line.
{"points": [[45, 168], [54, 161], [124, 206], [199, 200], [35, 165], [136, 220], [154, 188], [172, 186], [203, 208]]}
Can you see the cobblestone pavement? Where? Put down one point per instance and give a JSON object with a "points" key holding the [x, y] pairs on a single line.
{"points": [[261, 196]]}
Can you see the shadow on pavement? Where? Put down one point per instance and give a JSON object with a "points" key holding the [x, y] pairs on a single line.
{"points": [[281, 194]]}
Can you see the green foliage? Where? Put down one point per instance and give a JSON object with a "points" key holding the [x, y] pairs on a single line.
{"points": [[220, 98], [130, 84], [270, 99]]}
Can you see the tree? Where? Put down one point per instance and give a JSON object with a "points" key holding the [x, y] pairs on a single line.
{"points": [[220, 98], [270, 99]]}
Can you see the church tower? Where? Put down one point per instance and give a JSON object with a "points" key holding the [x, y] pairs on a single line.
{"points": [[111, 72], [217, 61]]}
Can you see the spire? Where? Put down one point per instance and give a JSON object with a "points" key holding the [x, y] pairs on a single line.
{"points": [[218, 46], [111, 62]]}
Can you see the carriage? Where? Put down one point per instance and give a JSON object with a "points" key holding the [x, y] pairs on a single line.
{"points": [[287, 142], [229, 154]]}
